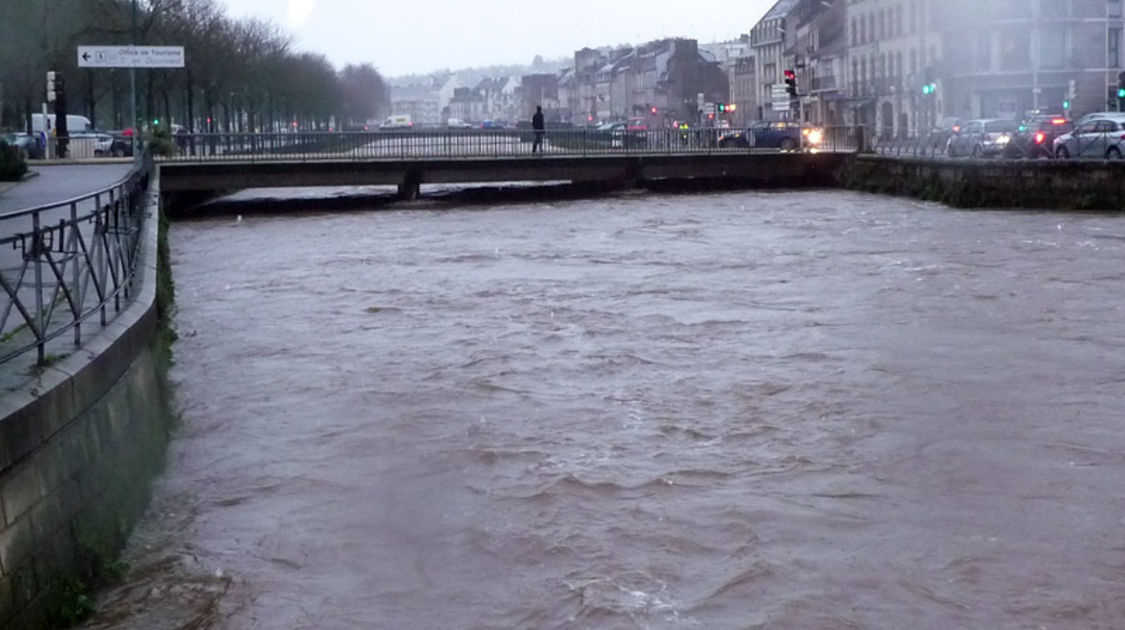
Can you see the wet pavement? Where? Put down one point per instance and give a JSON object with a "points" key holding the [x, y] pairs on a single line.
{"points": [[787, 410]]}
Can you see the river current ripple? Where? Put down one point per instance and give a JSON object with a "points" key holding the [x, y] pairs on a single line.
{"points": [[746, 410]]}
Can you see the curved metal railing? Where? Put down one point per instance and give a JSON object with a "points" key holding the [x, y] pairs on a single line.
{"points": [[64, 263]]}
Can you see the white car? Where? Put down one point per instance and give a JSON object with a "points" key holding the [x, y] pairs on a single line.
{"points": [[457, 123], [1102, 138], [103, 142]]}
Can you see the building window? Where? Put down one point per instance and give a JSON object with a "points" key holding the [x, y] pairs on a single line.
{"points": [[913, 17], [1113, 9], [1052, 48], [1113, 50], [913, 61], [855, 40], [1015, 49], [882, 32], [984, 53]]}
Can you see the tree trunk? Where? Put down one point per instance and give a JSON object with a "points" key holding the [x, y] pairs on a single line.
{"points": [[190, 100]]}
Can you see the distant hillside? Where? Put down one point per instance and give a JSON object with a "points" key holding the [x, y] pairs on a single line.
{"points": [[473, 75]]}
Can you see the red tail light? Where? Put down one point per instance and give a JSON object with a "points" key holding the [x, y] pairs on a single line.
{"points": [[1040, 137], [956, 128], [1058, 121]]}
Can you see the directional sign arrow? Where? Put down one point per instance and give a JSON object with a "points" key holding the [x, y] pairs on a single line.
{"points": [[85, 56]]}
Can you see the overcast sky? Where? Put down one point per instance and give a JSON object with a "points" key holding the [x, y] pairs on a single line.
{"points": [[412, 36]]}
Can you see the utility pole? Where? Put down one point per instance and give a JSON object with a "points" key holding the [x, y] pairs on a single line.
{"points": [[133, 109]]}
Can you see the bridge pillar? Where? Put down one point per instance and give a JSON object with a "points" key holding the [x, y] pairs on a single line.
{"points": [[411, 186]]}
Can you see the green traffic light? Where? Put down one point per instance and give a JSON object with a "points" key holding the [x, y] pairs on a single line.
{"points": [[1121, 92], [1066, 104]]}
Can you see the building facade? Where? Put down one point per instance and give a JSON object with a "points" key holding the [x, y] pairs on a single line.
{"points": [[1022, 55]]}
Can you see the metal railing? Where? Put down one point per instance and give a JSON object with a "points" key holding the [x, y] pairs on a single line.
{"points": [[933, 146], [64, 263], [504, 143], [1110, 146]]}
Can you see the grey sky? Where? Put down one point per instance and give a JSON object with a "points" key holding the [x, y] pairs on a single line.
{"points": [[407, 36]]}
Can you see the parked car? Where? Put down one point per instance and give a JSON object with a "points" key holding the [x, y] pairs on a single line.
{"points": [[491, 124], [122, 143], [1036, 137], [457, 123], [29, 145], [784, 135], [939, 136], [103, 142], [1097, 137], [982, 138]]}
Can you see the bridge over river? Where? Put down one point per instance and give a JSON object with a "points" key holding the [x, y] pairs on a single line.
{"points": [[208, 164]]}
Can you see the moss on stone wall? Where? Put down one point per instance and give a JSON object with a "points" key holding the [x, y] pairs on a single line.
{"points": [[969, 184]]}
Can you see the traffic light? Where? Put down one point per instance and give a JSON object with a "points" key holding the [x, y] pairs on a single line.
{"points": [[55, 86], [653, 110], [722, 107], [1121, 92], [791, 83], [929, 88], [1066, 104]]}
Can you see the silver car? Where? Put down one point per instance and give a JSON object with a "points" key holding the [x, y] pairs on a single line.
{"points": [[1100, 137]]}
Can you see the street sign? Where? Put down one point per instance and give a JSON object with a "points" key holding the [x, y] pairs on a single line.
{"points": [[130, 56], [779, 97]]}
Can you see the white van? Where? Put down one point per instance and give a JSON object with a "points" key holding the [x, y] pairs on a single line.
{"points": [[73, 123], [397, 122]]}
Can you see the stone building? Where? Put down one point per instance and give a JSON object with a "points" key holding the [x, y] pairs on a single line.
{"points": [[1007, 57]]}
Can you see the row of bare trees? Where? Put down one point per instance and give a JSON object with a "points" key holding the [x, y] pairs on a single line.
{"points": [[240, 74]]}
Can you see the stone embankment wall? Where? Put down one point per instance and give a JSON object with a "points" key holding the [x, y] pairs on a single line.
{"points": [[964, 183], [79, 447]]}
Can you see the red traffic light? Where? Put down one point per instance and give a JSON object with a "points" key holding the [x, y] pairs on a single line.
{"points": [[790, 75], [653, 110]]}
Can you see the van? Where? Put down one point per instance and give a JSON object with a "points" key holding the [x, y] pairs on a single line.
{"points": [[397, 122], [73, 123]]}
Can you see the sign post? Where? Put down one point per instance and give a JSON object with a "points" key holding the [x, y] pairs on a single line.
{"points": [[132, 57]]}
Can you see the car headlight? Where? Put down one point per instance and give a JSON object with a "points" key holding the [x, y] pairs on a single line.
{"points": [[1003, 140], [815, 136]]}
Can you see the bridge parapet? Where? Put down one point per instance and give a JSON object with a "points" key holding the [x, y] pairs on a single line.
{"points": [[507, 143]]}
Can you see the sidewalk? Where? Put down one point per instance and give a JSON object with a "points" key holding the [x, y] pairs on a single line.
{"points": [[59, 183], [51, 184]]}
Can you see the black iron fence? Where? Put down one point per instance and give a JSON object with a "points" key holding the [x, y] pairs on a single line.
{"points": [[65, 263], [507, 143]]}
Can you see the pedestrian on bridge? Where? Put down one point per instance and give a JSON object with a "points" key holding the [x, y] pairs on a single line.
{"points": [[537, 125]]}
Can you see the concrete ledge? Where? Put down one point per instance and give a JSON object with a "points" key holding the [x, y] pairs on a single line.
{"points": [[77, 448], [978, 183]]}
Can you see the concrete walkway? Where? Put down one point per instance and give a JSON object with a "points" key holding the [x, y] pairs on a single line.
{"points": [[50, 184], [59, 183]]}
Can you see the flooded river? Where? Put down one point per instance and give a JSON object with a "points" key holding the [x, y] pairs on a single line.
{"points": [[813, 410]]}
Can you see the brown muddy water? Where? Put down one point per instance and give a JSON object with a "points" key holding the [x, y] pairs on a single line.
{"points": [[745, 410]]}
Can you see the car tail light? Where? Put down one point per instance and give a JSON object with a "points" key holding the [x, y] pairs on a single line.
{"points": [[1058, 121], [956, 128], [1040, 137]]}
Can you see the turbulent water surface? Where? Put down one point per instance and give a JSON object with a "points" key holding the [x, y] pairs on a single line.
{"points": [[745, 410]]}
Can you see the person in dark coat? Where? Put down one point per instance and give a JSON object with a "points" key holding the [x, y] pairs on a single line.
{"points": [[537, 125]]}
